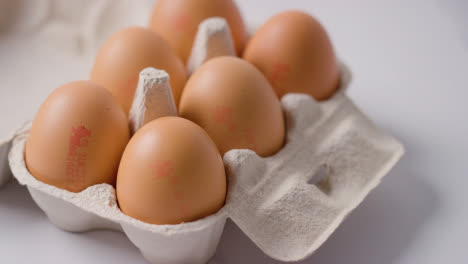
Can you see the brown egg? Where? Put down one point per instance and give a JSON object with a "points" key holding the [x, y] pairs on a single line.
{"points": [[177, 22], [77, 137], [293, 50], [236, 105], [171, 172], [129, 51]]}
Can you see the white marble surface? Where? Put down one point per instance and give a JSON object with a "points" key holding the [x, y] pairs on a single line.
{"points": [[410, 62]]}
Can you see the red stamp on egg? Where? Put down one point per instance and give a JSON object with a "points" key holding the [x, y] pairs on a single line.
{"points": [[164, 169], [77, 157], [279, 75], [223, 115], [182, 22]]}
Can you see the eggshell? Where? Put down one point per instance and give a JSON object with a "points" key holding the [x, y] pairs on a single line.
{"points": [[236, 105], [177, 22], [293, 50], [171, 172], [77, 137], [128, 52]]}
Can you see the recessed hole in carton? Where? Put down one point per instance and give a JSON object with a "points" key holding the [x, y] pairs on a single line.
{"points": [[320, 176]]}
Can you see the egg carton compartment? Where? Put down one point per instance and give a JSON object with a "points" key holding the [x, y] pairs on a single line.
{"points": [[287, 204], [96, 208]]}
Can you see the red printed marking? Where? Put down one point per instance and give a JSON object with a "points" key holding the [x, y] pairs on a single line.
{"points": [[246, 139], [182, 22], [163, 169], [180, 197], [78, 139], [250, 140], [224, 116], [279, 74], [77, 157]]}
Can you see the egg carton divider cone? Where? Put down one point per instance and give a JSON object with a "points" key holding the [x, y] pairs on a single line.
{"points": [[270, 199]]}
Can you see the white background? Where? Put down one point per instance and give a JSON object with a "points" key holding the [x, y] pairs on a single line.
{"points": [[410, 65]]}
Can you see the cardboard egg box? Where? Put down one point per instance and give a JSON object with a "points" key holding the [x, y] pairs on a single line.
{"points": [[287, 204]]}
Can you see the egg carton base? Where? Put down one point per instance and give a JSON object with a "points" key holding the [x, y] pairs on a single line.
{"points": [[269, 198]]}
